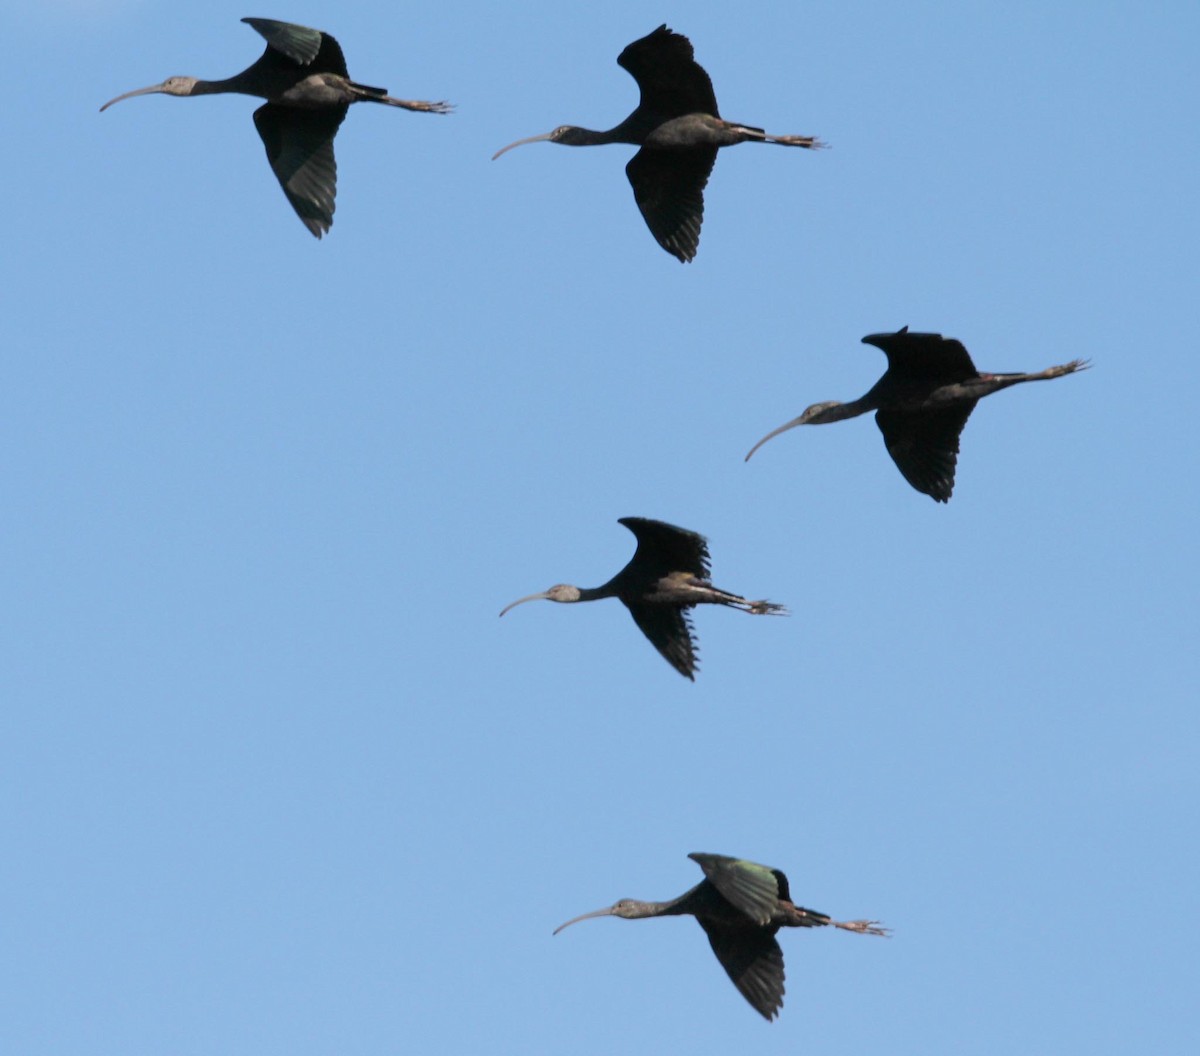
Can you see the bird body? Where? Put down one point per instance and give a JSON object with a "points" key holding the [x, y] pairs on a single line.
{"points": [[667, 576], [740, 905], [679, 130], [302, 74], [921, 404]]}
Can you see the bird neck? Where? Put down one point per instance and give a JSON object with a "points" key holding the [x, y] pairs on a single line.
{"points": [[636, 910], [839, 412], [236, 84], [596, 593], [589, 137]]}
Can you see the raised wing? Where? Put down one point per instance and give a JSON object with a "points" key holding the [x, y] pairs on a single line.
{"points": [[752, 959], [671, 81], [670, 632], [668, 186], [300, 149], [663, 548], [924, 356], [303, 46], [924, 446], [750, 888]]}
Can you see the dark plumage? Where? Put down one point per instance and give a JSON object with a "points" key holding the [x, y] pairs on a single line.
{"points": [[666, 577], [677, 125], [921, 404], [302, 75], [740, 905]]}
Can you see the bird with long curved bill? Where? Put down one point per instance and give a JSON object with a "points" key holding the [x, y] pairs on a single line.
{"points": [[679, 130], [740, 905], [667, 576], [921, 404], [302, 75]]}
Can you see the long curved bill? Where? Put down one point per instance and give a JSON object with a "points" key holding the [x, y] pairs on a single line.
{"points": [[521, 601], [606, 912], [129, 95], [772, 434], [518, 143]]}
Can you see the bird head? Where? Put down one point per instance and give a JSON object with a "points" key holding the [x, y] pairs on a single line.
{"points": [[815, 414], [570, 136], [567, 134], [559, 592], [626, 908], [171, 86]]}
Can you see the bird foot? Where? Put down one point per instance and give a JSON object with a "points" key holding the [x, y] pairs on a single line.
{"points": [[766, 608], [808, 142], [1070, 368], [423, 107], [863, 927]]}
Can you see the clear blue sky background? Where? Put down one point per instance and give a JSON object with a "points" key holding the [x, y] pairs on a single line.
{"points": [[274, 779]]}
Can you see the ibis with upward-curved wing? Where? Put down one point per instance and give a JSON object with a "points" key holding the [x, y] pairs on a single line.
{"points": [[666, 577], [740, 905], [679, 130], [302, 75], [921, 404]]}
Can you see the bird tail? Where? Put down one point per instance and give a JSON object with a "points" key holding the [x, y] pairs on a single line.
{"points": [[759, 135], [368, 91]]}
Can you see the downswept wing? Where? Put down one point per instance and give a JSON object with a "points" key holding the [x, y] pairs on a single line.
{"points": [[672, 83], [750, 888], [669, 629], [752, 959], [924, 446], [668, 186], [299, 146]]}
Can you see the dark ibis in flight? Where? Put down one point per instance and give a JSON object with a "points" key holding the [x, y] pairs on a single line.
{"points": [[303, 77], [677, 125], [921, 404], [740, 905], [666, 577]]}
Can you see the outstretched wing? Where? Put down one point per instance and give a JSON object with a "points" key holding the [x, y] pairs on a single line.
{"points": [[668, 186], [669, 629], [672, 83], [919, 356], [303, 46], [750, 888], [300, 149], [752, 959], [924, 445], [663, 548]]}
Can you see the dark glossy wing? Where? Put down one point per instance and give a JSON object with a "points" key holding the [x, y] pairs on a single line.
{"points": [[924, 446], [668, 186], [663, 548], [303, 46], [669, 629], [300, 149], [924, 356], [671, 81], [750, 888], [753, 960]]}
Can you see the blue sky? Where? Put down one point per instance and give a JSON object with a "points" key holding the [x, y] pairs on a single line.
{"points": [[275, 778]]}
